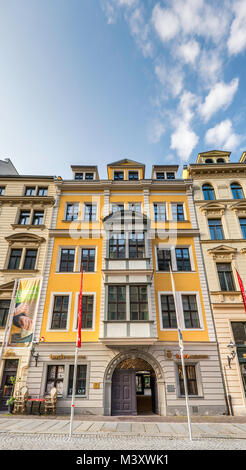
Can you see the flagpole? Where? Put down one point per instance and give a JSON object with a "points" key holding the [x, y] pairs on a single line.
{"points": [[78, 345], [181, 346]]}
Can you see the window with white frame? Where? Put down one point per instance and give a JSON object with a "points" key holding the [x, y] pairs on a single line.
{"points": [[189, 310], [168, 311], [88, 311], [88, 259], [160, 212], [117, 206], [128, 302], [90, 212], [178, 212], [67, 256], [59, 312], [164, 259], [72, 211], [134, 206], [183, 259]]}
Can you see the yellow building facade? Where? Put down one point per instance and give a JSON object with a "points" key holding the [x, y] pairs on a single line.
{"points": [[126, 231]]}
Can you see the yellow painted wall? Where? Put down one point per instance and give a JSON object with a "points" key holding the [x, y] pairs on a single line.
{"points": [[70, 282]]}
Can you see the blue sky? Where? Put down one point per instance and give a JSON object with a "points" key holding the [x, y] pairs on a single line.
{"points": [[94, 81]]}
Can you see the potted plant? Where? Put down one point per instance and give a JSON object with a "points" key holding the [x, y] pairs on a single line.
{"points": [[10, 402]]}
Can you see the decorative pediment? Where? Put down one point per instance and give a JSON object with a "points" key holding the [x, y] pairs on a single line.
{"points": [[239, 207], [213, 208], [7, 286], [223, 253], [24, 239], [126, 220], [126, 162]]}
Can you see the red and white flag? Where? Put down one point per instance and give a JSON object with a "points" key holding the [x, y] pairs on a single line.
{"points": [[242, 290], [80, 310]]}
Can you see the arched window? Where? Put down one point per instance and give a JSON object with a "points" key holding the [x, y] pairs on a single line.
{"points": [[209, 160], [220, 160], [237, 191], [208, 192]]}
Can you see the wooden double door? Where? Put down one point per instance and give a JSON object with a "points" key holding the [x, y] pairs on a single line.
{"points": [[124, 395]]}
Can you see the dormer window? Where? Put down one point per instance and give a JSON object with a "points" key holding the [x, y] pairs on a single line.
{"points": [[170, 175], [133, 175], [220, 160], [78, 176], [89, 176], [160, 175], [209, 160], [119, 175]]}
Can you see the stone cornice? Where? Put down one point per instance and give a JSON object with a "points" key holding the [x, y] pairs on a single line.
{"points": [[19, 201], [101, 185]]}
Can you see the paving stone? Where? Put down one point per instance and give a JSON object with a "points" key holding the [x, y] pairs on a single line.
{"points": [[96, 427], [165, 428], [151, 428], [138, 428], [123, 427], [84, 426], [109, 427], [179, 429]]}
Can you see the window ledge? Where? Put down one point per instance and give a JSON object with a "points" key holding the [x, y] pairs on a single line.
{"points": [[128, 321], [28, 226], [21, 271]]}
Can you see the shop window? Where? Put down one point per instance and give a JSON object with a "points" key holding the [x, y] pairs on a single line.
{"points": [[191, 380], [55, 378], [80, 387]]}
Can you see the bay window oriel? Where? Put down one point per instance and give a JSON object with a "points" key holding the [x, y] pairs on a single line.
{"points": [[128, 303]]}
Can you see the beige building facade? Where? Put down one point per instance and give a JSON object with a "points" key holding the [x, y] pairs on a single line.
{"points": [[26, 204], [219, 187]]}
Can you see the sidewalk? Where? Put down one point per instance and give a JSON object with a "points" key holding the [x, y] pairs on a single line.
{"points": [[202, 427]]}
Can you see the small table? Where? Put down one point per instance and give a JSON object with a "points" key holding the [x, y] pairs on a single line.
{"points": [[37, 400]]}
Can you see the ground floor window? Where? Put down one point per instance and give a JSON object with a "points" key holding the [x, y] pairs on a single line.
{"points": [[191, 380], [55, 378], [80, 380]]}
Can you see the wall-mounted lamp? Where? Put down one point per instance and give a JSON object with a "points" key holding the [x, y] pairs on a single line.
{"points": [[34, 354], [233, 353]]}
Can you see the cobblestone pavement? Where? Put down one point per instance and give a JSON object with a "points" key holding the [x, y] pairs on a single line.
{"points": [[39, 433], [112, 442]]}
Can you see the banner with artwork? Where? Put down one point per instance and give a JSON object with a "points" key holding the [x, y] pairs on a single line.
{"points": [[23, 316]]}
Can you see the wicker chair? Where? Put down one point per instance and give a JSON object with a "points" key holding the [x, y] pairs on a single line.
{"points": [[50, 401], [21, 400]]}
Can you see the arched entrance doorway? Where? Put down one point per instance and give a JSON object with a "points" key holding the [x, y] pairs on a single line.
{"points": [[134, 385], [133, 388]]}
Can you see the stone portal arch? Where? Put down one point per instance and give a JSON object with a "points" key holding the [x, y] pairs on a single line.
{"points": [[134, 355]]}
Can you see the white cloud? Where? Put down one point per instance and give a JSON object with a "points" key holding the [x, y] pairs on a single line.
{"points": [[237, 40], [110, 8], [210, 66], [183, 140], [171, 78], [165, 22], [188, 51], [140, 30], [156, 131], [223, 136], [220, 96]]}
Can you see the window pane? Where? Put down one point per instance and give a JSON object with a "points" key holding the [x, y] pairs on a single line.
{"points": [[208, 192], [30, 259], [15, 257], [67, 260], [243, 226], [24, 218], [4, 310], [225, 277], [60, 310], [80, 387]]}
